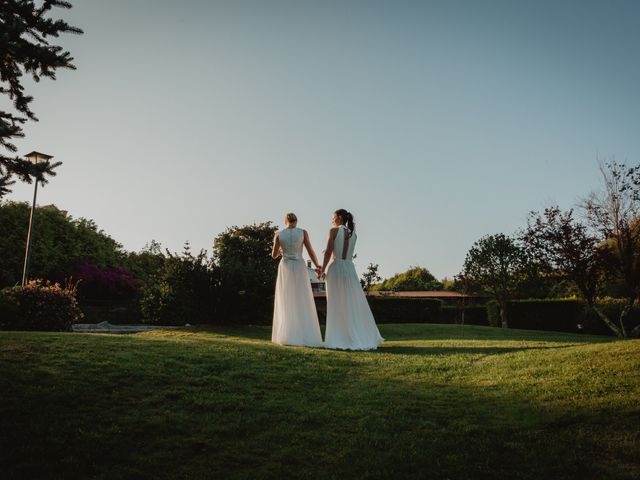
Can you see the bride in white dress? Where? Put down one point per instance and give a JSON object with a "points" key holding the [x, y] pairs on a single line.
{"points": [[295, 319], [350, 323]]}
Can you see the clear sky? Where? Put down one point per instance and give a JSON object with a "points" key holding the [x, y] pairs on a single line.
{"points": [[434, 122]]}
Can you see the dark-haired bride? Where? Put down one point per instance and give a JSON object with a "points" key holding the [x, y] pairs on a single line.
{"points": [[350, 323]]}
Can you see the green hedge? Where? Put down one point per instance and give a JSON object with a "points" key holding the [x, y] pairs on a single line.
{"points": [[551, 315], [473, 315], [8, 310], [562, 315], [406, 310], [39, 306]]}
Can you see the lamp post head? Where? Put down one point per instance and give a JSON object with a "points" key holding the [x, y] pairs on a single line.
{"points": [[37, 157]]}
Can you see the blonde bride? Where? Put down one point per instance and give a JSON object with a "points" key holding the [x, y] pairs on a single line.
{"points": [[295, 320]]}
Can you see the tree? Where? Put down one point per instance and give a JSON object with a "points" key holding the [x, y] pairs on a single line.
{"points": [[25, 33], [449, 284], [614, 212], [247, 271], [605, 248], [414, 279], [60, 244], [146, 263], [497, 265], [370, 277], [569, 249]]}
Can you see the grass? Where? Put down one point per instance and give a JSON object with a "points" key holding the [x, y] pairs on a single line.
{"points": [[226, 403]]}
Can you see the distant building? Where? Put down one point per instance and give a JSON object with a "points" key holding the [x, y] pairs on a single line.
{"points": [[448, 298]]}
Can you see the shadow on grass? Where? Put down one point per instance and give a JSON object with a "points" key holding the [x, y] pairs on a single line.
{"points": [[471, 350], [476, 332], [466, 346], [422, 332]]}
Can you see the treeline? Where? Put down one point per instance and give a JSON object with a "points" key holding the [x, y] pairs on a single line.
{"points": [[234, 284], [591, 250]]}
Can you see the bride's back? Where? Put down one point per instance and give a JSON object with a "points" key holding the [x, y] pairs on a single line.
{"points": [[339, 244], [291, 240]]}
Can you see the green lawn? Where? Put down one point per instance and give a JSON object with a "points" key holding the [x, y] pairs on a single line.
{"points": [[225, 402]]}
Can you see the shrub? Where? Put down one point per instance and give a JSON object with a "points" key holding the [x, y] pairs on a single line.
{"points": [[406, 310], [39, 305], [185, 290], [473, 315], [8, 310], [111, 284], [556, 315], [247, 273]]}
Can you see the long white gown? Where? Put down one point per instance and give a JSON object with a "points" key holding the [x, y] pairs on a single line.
{"points": [[350, 323], [295, 319]]}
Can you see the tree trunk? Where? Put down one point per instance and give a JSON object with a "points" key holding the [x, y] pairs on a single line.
{"points": [[623, 315], [635, 333], [503, 313], [607, 322]]}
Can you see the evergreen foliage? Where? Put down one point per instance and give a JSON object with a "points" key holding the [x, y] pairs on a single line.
{"points": [[26, 31]]}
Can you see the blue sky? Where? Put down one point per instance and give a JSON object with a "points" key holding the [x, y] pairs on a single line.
{"points": [[434, 122]]}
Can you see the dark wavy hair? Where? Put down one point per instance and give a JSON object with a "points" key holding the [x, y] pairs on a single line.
{"points": [[347, 218]]}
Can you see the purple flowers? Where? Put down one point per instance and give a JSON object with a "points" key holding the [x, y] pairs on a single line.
{"points": [[111, 283]]}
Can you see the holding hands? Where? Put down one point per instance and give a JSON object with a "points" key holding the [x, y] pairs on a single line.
{"points": [[320, 269]]}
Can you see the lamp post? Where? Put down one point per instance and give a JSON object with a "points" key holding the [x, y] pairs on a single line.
{"points": [[36, 158]]}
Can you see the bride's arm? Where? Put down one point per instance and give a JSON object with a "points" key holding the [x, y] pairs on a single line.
{"points": [[275, 253], [309, 247], [329, 250]]}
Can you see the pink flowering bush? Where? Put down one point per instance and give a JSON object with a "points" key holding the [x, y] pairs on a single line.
{"points": [[108, 284], [39, 305]]}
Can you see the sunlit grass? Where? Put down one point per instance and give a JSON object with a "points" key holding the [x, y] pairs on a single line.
{"points": [[435, 401]]}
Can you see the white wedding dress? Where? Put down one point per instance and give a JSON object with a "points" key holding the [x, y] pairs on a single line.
{"points": [[350, 323], [295, 320]]}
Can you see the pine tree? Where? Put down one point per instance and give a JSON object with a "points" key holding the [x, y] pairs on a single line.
{"points": [[25, 48]]}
